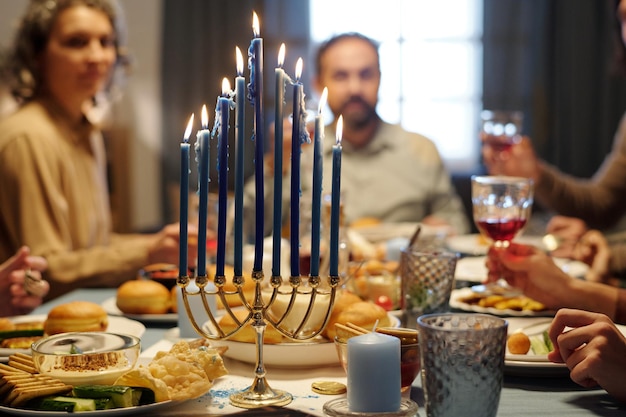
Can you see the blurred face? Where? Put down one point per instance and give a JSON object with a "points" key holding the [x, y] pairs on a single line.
{"points": [[349, 69], [80, 53]]}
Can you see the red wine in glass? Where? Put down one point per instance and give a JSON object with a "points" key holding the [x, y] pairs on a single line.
{"points": [[501, 230]]}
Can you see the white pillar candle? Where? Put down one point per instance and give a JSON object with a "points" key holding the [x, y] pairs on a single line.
{"points": [[374, 373]]}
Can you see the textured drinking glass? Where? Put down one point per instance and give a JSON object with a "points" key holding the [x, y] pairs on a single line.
{"points": [[462, 357], [501, 129], [427, 279]]}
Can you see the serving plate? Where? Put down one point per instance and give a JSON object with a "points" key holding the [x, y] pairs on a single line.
{"points": [[110, 306], [531, 364], [473, 269], [306, 354], [456, 302], [116, 325], [114, 412]]}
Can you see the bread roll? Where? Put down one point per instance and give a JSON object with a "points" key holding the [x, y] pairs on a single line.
{"points": [[143, 296], [248, 333], [76, 316], [364, 314]]}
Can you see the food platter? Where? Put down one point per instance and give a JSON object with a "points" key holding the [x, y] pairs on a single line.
{"points": [[114, 412], [116, 325], [110, 307], [316, 352], [456, 302], [473, 269], [531, 364]]}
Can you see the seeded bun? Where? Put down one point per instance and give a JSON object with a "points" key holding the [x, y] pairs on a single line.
{"points": [[143, 296], [76, 316]]}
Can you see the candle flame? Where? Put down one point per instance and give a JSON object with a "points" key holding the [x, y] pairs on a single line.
{"points": [[256, 27], [204, 117], [299, 65], [281, 55], [339, 129], [188, 130], [239, 58], [225, 86], [322, 102]]}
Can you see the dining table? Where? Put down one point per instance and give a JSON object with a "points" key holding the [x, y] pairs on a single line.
{"points": [[522, 395]]}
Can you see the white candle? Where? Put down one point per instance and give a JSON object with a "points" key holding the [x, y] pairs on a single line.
{"points": [[374, 373]]}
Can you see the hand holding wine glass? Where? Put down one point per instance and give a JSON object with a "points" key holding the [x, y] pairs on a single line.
{"points": [[501, 129], [501, 207]]}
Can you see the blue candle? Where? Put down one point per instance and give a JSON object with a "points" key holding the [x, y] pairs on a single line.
{"points": [[335, 202], [184, 199], [222, 113], [316, 198], [239, 164], [374, 373], [256, 93], [278, 161], [296, 132], [202, 145]]}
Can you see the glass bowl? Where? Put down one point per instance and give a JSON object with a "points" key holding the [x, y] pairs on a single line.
{"points": [[86, 357]]}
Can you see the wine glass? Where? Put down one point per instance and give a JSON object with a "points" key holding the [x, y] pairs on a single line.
{"points": [[501, 207], [501, 129]]}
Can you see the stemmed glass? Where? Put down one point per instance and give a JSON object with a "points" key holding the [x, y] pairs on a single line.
{"points": [[501, 207]]}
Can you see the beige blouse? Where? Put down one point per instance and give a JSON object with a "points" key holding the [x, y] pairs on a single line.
{"points": [[54, 198]]}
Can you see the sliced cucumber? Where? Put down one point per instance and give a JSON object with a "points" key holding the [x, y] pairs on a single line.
{"points": [[121, 395], [62, 404]]}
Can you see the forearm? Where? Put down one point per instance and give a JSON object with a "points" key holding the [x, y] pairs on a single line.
{"points": [[596, 297]]}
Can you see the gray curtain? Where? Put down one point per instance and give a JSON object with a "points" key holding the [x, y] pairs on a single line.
{"points": [[199, 40], [553, 59]]}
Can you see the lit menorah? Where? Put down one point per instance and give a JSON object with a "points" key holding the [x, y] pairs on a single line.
{"points": [[313, 287]]}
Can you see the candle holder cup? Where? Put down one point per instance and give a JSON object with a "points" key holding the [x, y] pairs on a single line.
{"points": [[260, 394]]}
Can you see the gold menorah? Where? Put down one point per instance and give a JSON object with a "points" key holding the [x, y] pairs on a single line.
{"points": [[259, 394]]}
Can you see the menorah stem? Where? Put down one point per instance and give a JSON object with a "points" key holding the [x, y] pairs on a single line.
{"points": [[259, 394]]}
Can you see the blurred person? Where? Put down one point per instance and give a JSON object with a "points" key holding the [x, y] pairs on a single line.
{"points": [[388, 174], [593, 349], [21, 285], [534, 272], [598, 200], [53, 185]]}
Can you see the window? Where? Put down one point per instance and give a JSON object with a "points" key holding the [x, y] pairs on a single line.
{"points": [[431, 63]]}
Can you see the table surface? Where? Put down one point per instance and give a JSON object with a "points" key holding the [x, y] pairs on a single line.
{"points": [[534, 395]]}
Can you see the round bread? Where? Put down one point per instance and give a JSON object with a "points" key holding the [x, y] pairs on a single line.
{"points": [[143, 296], [76, 316], [248, 333], [363, 314]]}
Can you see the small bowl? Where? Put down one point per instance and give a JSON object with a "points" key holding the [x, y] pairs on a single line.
{"points": [[86, 357], [342, 352]]}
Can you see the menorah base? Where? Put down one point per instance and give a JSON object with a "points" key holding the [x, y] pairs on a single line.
{"points": [[259, 394]]}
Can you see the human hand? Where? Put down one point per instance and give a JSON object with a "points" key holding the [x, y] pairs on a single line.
{"points": [[530, 270], [164, 245], [593, 350], [519, 160], [21, 285], [593, 249], [568, 231]]}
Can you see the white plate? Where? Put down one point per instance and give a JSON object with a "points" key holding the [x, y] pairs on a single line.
{"points": [[531, 364], [116, 325], [474, 245], [457, 295], [473, 268], [318, 352], [386, 231], [115, 412], [110, 307]]}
